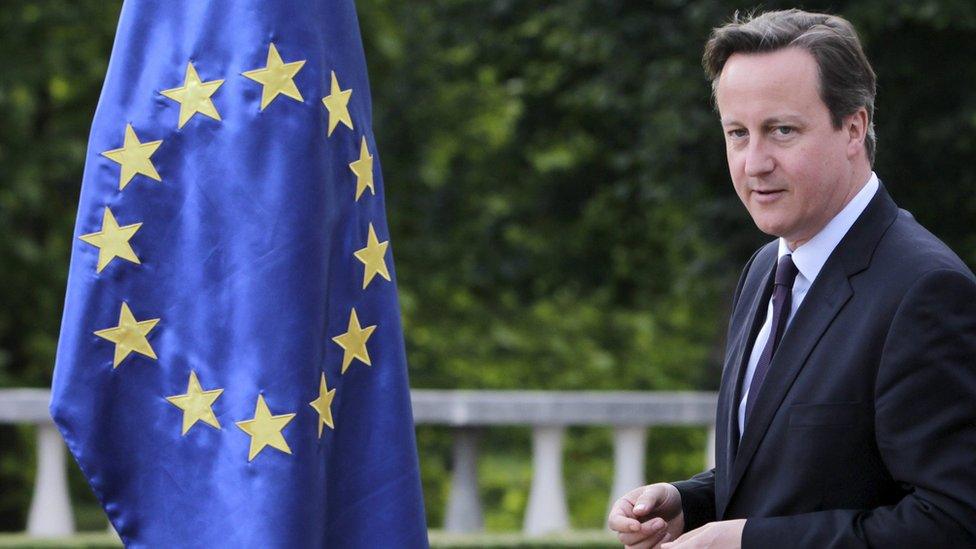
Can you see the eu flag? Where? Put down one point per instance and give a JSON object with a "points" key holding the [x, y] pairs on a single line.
{"points": [[231, 370]]}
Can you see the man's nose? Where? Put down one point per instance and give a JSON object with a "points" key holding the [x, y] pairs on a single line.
{"points": [[758, 159]]}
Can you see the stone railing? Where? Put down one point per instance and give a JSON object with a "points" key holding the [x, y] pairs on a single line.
{"points": [[548, 413], [50, 509]]}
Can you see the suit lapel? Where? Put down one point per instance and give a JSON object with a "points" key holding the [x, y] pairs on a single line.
{"points": [[736, 361], [824, 301], [747, 334]]}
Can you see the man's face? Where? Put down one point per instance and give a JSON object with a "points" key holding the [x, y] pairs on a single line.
{"points": [[790, 167]]}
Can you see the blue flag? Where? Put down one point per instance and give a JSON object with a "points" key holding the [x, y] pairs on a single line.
{"points": [[231, 369]]}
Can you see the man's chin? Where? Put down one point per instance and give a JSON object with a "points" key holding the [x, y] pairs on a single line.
{"points": [[771, 228]]}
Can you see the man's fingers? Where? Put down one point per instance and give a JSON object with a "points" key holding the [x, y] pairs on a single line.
{"points": [[620, 523], [651, 542], [652, 530], [649, 499], [621, 517]]}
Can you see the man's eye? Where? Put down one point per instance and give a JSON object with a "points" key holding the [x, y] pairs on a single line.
{"points": [[784, 130], [737, 133]]}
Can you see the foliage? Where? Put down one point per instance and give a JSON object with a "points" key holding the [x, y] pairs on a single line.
{"points": [[54, 55], [558, 200]]}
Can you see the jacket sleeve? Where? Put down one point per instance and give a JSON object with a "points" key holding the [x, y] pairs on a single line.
{"points": [[697, 499], [925, 425]]}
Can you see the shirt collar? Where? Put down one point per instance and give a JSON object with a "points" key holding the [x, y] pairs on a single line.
{"points": [[810, 257]]}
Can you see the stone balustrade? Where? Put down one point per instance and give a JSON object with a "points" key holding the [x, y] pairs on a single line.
{"points": [[548, 413], [50, 509]]}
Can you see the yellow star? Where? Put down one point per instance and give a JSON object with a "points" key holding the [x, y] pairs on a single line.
{"points": [[129, 336], [323, 405], [373, 257], [134, 157], [353, 342], [363, 168], [276, 77], [194, 96], [265, 429], [196, 404], [337, 103], [112, 241]]}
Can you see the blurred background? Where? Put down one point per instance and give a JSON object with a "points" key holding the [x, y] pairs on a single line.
{"points": [[559, 205]]}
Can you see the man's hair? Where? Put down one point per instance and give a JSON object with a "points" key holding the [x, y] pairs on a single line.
{"points": [[847, 81]]}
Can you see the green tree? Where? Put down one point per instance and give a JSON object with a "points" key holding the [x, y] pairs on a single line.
{"points": [[53, 56]]}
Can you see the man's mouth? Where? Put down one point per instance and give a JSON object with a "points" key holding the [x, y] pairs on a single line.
{"points": [[767, 195]]}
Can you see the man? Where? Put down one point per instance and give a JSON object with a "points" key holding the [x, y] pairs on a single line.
{"points": [[847, 409]]}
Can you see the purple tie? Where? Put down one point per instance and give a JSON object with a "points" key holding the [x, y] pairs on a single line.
{"points": [[782, 292]]}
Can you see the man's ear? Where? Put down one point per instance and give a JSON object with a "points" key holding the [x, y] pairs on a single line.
{"points": [[856, 126]]}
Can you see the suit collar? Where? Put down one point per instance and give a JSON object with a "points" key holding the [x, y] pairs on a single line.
{"points": [[855, 251], [811, 256], [828, 295]]}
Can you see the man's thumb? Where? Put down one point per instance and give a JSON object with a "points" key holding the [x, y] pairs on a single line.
{"points": [[647, 501]]}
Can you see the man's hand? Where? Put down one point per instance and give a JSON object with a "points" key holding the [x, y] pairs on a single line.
{"points": [[726, 534], [647, 516]]}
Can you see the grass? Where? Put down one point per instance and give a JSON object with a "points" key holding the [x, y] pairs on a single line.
{"points": [[88, 540], [584, 539]]}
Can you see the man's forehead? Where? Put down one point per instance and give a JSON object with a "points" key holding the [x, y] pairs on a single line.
{"points": [[769, 85], [791, 63], [784, 71]]}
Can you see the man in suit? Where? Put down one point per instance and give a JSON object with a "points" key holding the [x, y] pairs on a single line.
{"points": [[847, 409]]}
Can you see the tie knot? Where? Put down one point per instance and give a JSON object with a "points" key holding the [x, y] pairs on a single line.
{"points": [[785, 271]]}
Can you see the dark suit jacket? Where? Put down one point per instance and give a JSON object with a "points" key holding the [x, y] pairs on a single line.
{"points": [[864, 432]]}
